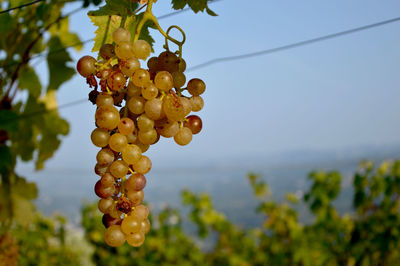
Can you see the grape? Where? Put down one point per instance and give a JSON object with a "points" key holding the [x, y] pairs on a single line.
{"points": [[107, 180], [103, 192], [136, 197], [104, 99], [129, 66], [152, 63], [114, 236], [108, 220], [100, 137], [103, 74], [135, 182], [126, 126], [143, 166], [131, 154], [194, 123], [187, 107], [145, 226], [184, 136], [142, 49], [153, 109], [121, 35], [86, 66], [164, 81], [100, 169], [135, 239], [148, 137], [130, 225], [133, 90], [105, 204], [145, 123], [182, 65], [136, 105], [119, 168], [179, 79], [141, 77], [149, 91], [116, 81], [124, 50], [168, 129], [196, 87], [141, 211], [105, 156], [107, 51], [131, 137], [107, 117], [117, 142], [197, 103], [168, 61], [142, 146], [173, 108], [113, 212]]}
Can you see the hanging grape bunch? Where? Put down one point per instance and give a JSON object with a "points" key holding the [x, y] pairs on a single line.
{"points": [[136, 105]]}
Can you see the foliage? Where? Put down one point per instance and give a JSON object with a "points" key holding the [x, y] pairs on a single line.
{"points": [[369, 236]]}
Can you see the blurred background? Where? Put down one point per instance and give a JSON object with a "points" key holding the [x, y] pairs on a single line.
{"points": [[321, 106]]}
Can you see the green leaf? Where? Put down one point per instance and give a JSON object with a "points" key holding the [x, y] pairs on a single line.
{"points": [[67, 38], [8, 121], [29, 81], [105, 27], [144, 33], [6, 158], [178, 4], [59, 72], [25, 189], [210, 12], [112, 7]]}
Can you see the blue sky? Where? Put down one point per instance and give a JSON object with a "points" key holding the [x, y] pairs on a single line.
{"points": [[336, 94]]}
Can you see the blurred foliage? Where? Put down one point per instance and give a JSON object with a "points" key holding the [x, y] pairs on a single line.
{"points": [[369, 236]]}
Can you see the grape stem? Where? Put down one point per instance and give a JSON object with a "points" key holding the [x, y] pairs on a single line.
{"points": [[148, 15]]}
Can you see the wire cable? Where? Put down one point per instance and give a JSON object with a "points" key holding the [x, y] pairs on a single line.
{"points": [[20, 6]]}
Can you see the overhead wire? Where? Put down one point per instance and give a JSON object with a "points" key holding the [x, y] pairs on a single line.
{"points": [[20, 6]]}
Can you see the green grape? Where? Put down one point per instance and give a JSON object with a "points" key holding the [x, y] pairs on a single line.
{"points": [[114, 236], [116, 81], [164, 81], [145, 226], [148, 137], [149, 91], [179, 79], [135, 239], [130, 225], [135, 182], [197, 103], [142, 146], [107, 117], [168, 129], [117, 142], [196, 87], [121, 35], [107, 180], [113, 212], [102, 191], [100, 169], [132, 137], [168, 61], [136, 197], [105, 156], [124, 50], [129, 66], [119, 168], [141, 211], [133, 90], [100, 137], [104, 99], [153, 109], [142, 49], [104, 205], [143, 166], [108, 220], [145, 123], [182, 65], [187, 107], [194, 123], [86, 66], [152, 63], [141, 77], [184, 136], [136, 105], [131, 154], [173, 108], [107, 51], [126, 126]]}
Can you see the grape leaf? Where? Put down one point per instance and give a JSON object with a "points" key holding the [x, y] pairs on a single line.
{"points": [[6, 158], [195, 5], [59, 71], [67, 38], [144, 33], [29, 81], [105, 27], [8, 121], [121, 8]]}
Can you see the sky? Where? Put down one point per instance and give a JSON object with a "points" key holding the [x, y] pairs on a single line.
{"points": [[338, 94]]}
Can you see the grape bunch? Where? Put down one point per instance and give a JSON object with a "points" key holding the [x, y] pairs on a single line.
{"points": [[135, 107]]}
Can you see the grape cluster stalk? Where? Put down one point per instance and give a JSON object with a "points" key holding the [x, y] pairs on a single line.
{"points": [[135, 107]]}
